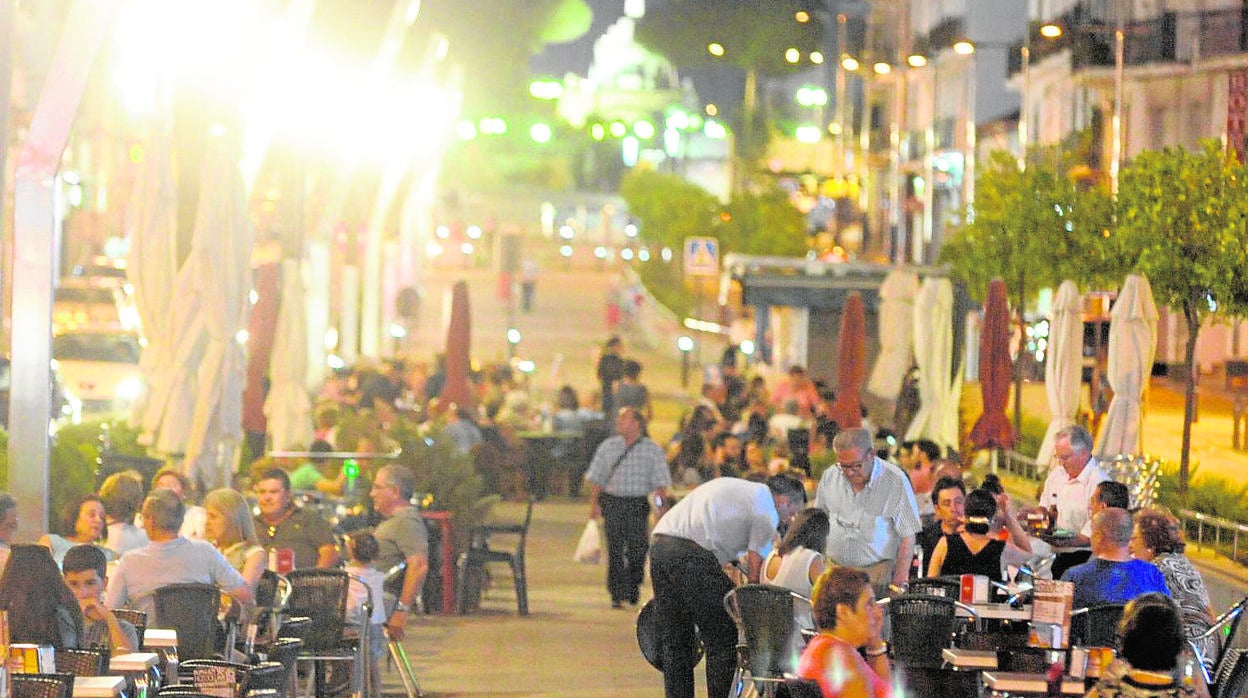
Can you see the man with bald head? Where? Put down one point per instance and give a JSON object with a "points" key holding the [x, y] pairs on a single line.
{"points": [[1112, 575]]}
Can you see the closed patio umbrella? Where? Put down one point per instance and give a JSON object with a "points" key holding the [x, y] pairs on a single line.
{"points": [[993, 429], [1063, 366], [897, 293], [458, 349], [850, 364], [933, 351], [1132, 346], [287, 406]]}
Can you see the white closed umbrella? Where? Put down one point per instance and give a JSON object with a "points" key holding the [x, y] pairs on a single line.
{"points": [[1063, 367], [896, 322], [1132, 346], [287, 407], [151, 224], [933, 352]]}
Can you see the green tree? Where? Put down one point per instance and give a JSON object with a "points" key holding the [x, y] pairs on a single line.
{"points": [[754, 35], [1181, 223], [669, 207], [763, 223], [1032, 227]]}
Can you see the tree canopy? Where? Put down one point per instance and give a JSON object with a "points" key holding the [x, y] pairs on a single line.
{"points": [[1181, 223]]}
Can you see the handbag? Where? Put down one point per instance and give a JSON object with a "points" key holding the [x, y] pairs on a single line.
{"points": [[589, 547]]}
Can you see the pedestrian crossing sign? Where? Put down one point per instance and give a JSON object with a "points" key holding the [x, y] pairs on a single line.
{"points": [[701, 256]]}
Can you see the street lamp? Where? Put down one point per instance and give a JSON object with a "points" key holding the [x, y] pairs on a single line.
{"points": [[513, 339], [1048, 30], [685, 345]]}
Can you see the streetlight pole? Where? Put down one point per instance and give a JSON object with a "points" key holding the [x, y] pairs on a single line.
{"points": [[1116, 130], [842, 37]]}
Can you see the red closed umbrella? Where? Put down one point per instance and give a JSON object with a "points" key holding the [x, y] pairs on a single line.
{"points": [[851, 365], [993, 428], [457, 388]]}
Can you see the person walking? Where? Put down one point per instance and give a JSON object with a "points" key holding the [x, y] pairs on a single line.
{"points": [[626, 470], [715, 524]]}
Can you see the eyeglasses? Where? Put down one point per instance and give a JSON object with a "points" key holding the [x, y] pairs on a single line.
{"points": [[851, 467]]}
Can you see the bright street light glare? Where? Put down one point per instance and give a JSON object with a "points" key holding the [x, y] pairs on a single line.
{"points": [[546, 89], [618, 129], [626, 254], [474, 232], [1050, 30], [714, 129], [816, 57], [644, 130], [598, 132], [807, 134], [882, 68], [792, 55], [684, 343], [849, 63], [565, 250], [964, 48], [466, 130], [916, 60], [513, 335], [540, 133], [715, 49]]}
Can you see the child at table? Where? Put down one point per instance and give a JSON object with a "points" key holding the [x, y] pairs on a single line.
{"points": [[85, 574], [362, 549]]}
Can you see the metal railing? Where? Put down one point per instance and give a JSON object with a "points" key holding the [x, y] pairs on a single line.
{"points": [[1197, 525]]}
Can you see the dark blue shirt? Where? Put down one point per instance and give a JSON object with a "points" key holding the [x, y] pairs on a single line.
{"points": [[1105, 581]]}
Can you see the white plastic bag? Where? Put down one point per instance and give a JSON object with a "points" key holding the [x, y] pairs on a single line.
{"points": [[589, 548]]}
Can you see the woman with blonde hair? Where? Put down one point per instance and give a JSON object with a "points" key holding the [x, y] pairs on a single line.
{"points": [[229, 526]]}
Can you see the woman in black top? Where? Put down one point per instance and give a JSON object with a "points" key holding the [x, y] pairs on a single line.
{"points": [[974, 550]]}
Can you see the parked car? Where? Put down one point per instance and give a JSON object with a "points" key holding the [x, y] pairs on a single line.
{"points": [[93, 302], [100, 367]]}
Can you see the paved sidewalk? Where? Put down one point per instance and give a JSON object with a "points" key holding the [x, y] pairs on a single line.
{"points": [[572, 643]]}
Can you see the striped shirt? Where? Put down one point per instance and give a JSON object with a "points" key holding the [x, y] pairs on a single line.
{"points": [[867, 526], [642, 471]]}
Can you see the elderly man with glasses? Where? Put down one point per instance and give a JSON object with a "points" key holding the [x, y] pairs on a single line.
{"points": [[872, 508]]}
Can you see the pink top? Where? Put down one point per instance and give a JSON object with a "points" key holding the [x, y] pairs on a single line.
{"points": [[840, 670]]}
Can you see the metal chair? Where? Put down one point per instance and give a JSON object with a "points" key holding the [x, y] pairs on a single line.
{"points": [[136, 618], [266, 676], [84, 662], [394, 649], [285, 651], [471, 563], [215, 676], [922, 627], [181, 690], [272, 592], [769, 641], [321, 595], [1224, 628], [1231, 677], [1096, 626], [294, 626], [42, 685], [191, 609]]}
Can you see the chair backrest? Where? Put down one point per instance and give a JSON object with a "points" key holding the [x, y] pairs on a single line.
{"points": [[922, 626], [216, 677], [43, 685], [265, 675], [181, 690], [321, 595], [1231, 677], [263, 693], [767, 633], [1031, 660], [84, 662], [136, 618], [294, 626], [191, 609], [936, 586], [284, 651], [1096, 626], [1225, 627]]}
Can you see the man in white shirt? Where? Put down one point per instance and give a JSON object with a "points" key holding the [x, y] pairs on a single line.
{"points": [[872, 509], [1070, 488], [712, 526]]}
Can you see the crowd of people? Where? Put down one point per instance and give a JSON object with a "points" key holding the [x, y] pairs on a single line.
{"points": [[113, 551]]}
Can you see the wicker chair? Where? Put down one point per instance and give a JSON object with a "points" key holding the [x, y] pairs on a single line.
{"points": [[321, 595], [1096, 626], [922, 627], [214, 675], [85, 662], [136, 618], [769, 641], [43, 685], [191, 609], [950, 587]]}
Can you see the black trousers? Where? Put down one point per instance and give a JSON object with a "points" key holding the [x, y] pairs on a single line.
{"points": [[625, 520], [689, 588]]}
